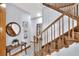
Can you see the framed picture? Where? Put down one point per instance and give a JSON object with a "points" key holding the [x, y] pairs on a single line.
{"points": [[25, 29]]}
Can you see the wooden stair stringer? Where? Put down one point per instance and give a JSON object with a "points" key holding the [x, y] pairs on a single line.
{"points": [[67, 40]]}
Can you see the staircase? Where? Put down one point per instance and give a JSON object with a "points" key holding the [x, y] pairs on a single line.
{"points": [[42, 45]]}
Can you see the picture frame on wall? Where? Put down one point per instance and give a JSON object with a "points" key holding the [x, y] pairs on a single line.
{"points": [[25, 29]]}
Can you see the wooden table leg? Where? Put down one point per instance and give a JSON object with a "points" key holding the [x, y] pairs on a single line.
{"points": [[9, 53], [25, 49]]}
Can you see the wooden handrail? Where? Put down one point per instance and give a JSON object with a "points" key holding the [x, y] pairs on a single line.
{"points": [[50, 25]]}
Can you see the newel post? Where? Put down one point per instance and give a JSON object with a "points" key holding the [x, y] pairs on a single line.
{"points": [[34, 46]]}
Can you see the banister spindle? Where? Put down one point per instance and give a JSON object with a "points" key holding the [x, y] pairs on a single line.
{"points": [[54, 31], [59, 41], [55, 43], [77, 9], [69, 27], [47, 36], [73, 23], [51, 38], [41, 45], [63, 25], [47, 43], [59, 29], [38, 47], [63, 31], [69, 24], [54, 37], [34, 47], [51, 33]]}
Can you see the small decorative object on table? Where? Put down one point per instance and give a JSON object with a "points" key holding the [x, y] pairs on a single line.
{"points": [[15, 42]]}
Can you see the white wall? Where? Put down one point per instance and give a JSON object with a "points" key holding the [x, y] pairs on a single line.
{"points": [[49, 16], [13, 14], [35, 22]]}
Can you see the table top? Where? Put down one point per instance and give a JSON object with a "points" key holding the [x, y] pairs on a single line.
{"points": [[11, 47]]}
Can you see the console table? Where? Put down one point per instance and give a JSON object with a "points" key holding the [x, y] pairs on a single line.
{"points": [[10, 48]]}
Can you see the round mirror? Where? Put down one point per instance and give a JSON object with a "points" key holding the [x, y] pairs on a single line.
{"points": [[13, 29]]}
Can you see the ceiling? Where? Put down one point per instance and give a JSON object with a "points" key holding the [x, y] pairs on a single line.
{"points": [[35, 9], [61, 5], [68, 8]]}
